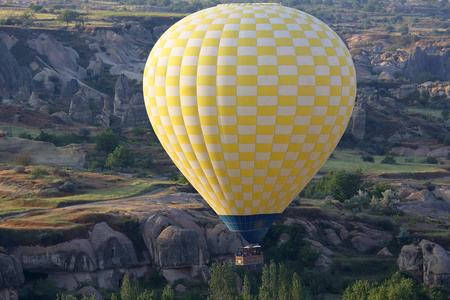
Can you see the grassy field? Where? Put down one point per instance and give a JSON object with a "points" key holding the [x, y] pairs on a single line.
{"points": [[351, 161], [16, 131], [436, 113]]}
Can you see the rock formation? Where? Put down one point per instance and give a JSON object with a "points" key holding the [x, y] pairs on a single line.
{"points": [[427, 62], [74, 256], [427, 261], [112, 248], [79, 109], [12, 76]]}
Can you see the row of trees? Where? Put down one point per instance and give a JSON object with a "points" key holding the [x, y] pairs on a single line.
{"points": [[276, 283]]}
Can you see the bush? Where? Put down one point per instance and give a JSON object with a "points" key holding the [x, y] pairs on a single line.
{"points": [[367, 157], [389, 159], [430, 160], [61, 173], [139, 131], [68, 186], [20, 170], [38, 172], [107, 141], [122, 157], [341, 185], [24, 158], [358, 202], [429, 186]]}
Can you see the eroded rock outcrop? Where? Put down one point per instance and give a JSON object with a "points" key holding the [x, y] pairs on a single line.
{"points": [[427, 261], [11, 273], [112, 248], [79, 108], [74, 256], [12, 76], [222, 241], [181, 247]]}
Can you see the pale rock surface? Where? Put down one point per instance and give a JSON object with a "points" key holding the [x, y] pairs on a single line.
{"points": [[221, 240], [11, 273], [152, 229], [323, 263], [427, 261], [43, 153], [365, 239], [436, 264], [283, 239], [79, 109], [425, 204], [319, 247], [74, 256], [188, 273], [332, 237], [385, 252], [61, 117], [178, 247], [184, 220], [9, 294], [112, 248]]}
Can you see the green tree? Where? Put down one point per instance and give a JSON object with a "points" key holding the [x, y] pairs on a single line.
{"points": [[130, 288], [107, 141], [168, 293], [297, 289], [122, 157], [147, 295], [404, 29], [283, 283], [273, 274], [246, 289], [67, 16], [264, 290], [360, 290], [139, 131], [222, 284]]}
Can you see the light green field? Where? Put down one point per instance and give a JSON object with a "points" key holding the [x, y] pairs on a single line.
{"points": [[351, 161], [16, 131], [426, 111]]}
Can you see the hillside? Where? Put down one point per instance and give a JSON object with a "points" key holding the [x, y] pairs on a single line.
{"points": [[71, 216]]}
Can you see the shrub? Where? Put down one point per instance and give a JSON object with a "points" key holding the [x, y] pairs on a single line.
{"points": [[389, 159], [360, 201], [107, 141], [38, 172], [404, 236], [122, 157], [24, 158], [341, 185], [367, 157], [61, 173], [429, 186], [20, 170], [139, 131], [430, 160], [68, 186]]}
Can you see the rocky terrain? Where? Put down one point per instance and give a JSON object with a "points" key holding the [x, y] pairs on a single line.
{"points": [[90, 77], [168, 233]]}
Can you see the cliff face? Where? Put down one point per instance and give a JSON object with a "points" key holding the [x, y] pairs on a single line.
{"points": [[12, 76], [427, 62], [72, 76]]}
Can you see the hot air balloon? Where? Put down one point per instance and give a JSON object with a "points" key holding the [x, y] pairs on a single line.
{"points": [[249, 101]]}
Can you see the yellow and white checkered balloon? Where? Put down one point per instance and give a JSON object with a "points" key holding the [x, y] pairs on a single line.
{"points": [[249, 100]]}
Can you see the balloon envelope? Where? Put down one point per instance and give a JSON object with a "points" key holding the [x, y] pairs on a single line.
{"points": [[249, 100]]}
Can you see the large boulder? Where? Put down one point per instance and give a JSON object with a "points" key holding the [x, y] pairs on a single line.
{"points": [[112, 248], [425, 204], [427, 61], [152, 229], [79, 109], [11, 273], [436, 264], [223, 241], [427, 261], [74, 256], [9, 294], [366, 239], [12, 76], [181, 247]]}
